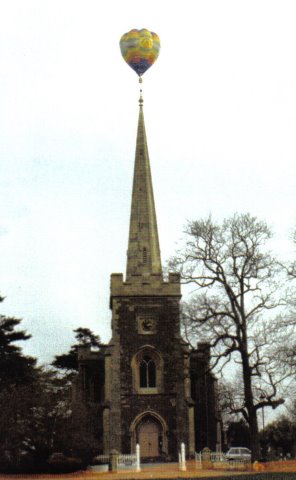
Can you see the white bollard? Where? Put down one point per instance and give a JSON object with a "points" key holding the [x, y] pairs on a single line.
{"points": [[138, 465], [183, 457]]}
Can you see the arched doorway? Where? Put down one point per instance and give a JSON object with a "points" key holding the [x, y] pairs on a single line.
{"points": [[150, 432], [149, 437]]}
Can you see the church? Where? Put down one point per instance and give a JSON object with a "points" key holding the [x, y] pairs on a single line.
{"points": [[150, 388]]}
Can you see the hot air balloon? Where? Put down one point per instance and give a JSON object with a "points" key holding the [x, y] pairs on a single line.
{"points": [[140, 49]]}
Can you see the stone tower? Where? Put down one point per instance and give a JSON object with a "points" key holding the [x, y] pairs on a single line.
{"points": [[147, 377]]}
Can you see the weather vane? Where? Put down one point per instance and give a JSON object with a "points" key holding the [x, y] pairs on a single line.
{"points": [[140, 49]]}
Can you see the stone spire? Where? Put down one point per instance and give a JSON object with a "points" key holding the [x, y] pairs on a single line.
{"points": [[143, 255]]}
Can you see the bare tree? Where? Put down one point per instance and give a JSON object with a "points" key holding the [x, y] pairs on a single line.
{"points": [[235, 278], [291, 269], [286, 349]]}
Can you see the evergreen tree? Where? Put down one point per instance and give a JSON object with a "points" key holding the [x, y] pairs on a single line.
{"points": [[18, 376], [15, 367], [85, 338]]}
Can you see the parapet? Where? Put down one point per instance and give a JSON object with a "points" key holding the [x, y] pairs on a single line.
{"points": [[86, 353], [145, 285]]}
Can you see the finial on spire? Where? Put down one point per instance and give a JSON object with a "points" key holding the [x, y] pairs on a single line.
{"points": [[141, 101]]}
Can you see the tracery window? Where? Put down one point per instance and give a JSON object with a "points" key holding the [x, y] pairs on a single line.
{"points": [[147, 373], [147, 368]]}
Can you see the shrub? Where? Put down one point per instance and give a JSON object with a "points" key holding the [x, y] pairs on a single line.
{"points": [[59, 463]]}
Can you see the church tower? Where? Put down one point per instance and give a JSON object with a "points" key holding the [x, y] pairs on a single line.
{"points": [[147, 386], [147, 367]]}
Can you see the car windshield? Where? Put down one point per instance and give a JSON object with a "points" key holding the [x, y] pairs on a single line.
{"points": [[239, 451]]}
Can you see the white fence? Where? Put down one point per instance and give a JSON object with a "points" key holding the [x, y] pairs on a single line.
{"points": [[219, 460], [239, 464], [198, 460], [205, 459], [218, 457], [127, 462], [102, 459], [124, 461]]}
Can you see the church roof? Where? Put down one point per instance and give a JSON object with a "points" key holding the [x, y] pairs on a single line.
{"points": [[143, 255]]}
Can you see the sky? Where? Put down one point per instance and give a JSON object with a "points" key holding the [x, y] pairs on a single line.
{"points": [[220, 114]]}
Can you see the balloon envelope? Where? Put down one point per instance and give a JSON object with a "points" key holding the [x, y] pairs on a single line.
{"points": [[140, 49]]}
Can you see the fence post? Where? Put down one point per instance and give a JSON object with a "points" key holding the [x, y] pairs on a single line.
{"points": [[114, 460], [198, 463], [206, 459], [183, 457], [138, 460]]}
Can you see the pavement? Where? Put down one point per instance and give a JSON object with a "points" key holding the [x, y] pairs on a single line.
{"points": [[161, 471], [148, 471]]}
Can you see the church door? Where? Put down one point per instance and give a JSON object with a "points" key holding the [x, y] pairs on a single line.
{"points": [[149, 437]]}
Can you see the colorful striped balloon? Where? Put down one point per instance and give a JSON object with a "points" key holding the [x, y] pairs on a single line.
{"points": [[140, 49]]}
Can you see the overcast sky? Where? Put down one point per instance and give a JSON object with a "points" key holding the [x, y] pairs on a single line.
{"points": [[220, 113]]}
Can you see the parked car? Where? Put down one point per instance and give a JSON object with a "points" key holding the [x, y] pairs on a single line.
{"points": [[239, 453]]}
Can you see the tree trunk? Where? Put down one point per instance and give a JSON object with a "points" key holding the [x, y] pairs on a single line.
{"points": [[254, 435], [251, 411]]}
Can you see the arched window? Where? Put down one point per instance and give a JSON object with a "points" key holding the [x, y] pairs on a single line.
{"points": [[147, 368], [147, 373]]}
